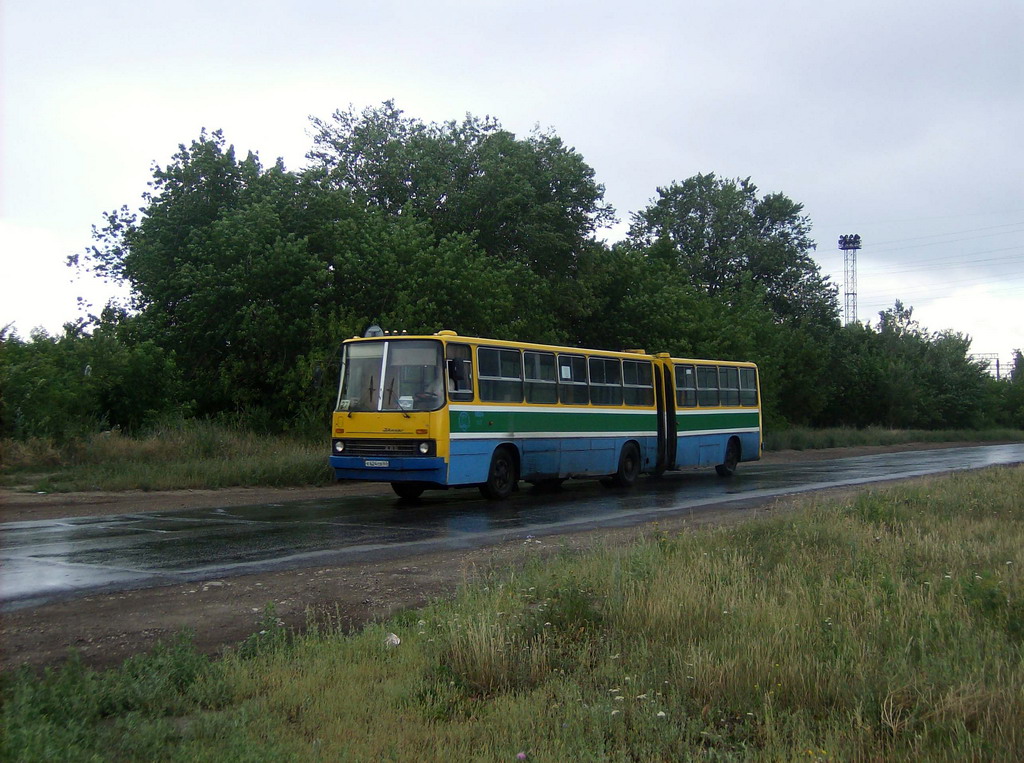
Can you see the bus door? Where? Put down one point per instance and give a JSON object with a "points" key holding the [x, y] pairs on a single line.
{"points": [[665, 392]]}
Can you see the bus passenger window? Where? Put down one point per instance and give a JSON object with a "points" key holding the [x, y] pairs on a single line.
{"points": [[460, 372], [637, 382], [686, 387], [605, 381], [748, 386], [501, 375], [729, 379], [707, 385], [541, 382], [572, 380]]}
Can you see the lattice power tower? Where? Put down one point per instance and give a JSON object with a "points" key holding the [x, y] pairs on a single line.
{"points": [[850, 244]]}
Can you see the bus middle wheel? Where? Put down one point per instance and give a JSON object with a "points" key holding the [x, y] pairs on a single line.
{"points": [[501, 477], [629, 466]]}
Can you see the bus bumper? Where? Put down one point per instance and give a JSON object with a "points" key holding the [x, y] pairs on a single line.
{"points": [[390, 469]]}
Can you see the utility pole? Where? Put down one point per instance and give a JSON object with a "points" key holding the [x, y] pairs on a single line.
{"points": [[850, 244]]}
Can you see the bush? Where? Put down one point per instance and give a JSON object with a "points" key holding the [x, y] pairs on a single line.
{"points": [[76, 384]]}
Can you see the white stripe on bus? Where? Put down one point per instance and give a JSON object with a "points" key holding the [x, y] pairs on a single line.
{"points": [[588, 435]]}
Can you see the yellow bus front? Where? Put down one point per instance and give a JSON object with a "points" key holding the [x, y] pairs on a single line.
{"points": [[391, 419]]}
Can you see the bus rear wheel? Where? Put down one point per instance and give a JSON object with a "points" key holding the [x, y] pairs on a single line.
{"points": [[408, 490], [732, 457], [629, 466], [501, 477]]}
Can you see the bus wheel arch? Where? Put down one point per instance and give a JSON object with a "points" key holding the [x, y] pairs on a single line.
{"points": [[502, 474], [629, 465], [733, 452]]}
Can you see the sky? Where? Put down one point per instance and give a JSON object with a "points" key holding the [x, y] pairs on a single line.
{"points": [[898, 121]]}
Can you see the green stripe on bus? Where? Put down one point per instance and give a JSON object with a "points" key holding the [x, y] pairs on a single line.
{"points": [[528, 421], [547, 421], [706, 421]]}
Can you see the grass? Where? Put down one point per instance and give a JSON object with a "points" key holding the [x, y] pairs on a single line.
{"points": [[190, 455], [805, 438], [886, 626], [197, 454]]}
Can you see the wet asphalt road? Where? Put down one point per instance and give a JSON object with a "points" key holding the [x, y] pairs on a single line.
{"points": [[51, 560]]}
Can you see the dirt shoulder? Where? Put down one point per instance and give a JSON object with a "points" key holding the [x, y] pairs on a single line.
{"points": [[106, 629]]}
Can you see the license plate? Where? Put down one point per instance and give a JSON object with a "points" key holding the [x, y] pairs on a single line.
{"points": [[377, 463]]}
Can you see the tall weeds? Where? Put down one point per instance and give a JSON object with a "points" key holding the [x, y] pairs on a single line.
{"points": [[886, 626], [805, 438], [189, 454]]}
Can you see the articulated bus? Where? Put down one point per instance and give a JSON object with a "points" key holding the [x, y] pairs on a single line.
{"points": [[443, 410]]}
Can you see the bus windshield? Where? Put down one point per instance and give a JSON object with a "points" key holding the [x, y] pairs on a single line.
{"points": [[392, 375]]}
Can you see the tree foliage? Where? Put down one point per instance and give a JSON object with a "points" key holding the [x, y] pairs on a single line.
{"points": [[720, 232], [78, 382], [900, 375], [533, 201], [221, 274], [246, 278], [759, 293]]}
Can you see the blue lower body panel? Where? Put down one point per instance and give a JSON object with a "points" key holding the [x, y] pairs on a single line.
{"points": [[544, 458], [540, 458], [390, 469], [709, 449]]}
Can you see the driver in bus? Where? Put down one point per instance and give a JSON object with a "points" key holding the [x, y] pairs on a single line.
{"points": [[429, 396]]}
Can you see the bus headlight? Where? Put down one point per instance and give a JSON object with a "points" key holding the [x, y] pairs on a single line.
{"points": [[339, 446], [424, 448]]}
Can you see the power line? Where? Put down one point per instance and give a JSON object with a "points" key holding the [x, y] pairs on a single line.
{"points": [[876, 250], [869, 223], [932, 291], [949, 262], [963, 254], [942, 243], [953, 233]]}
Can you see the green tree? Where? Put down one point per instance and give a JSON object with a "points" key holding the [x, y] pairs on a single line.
{"points": [[83, 381], [251, 277], [1011, 395], [899, 374], [756, 293], [532, 201], [220, 275], [719, 230]]}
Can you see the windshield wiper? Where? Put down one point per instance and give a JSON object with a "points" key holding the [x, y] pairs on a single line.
{"points": [[370, 389], [391, 397]]}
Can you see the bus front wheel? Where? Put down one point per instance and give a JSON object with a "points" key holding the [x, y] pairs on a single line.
{"points": [[408, 490], [732, 457], [501, 477]]}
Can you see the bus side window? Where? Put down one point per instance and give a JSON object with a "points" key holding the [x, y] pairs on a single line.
{"points": [[460, 372], [605, 381], [501, 375], [707, 385], [729, 379], [541, 382], [748, 386], [572, 380], [686, 387], [637, 382]]}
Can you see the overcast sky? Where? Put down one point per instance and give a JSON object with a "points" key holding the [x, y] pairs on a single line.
{"points": [[898, 120]]}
